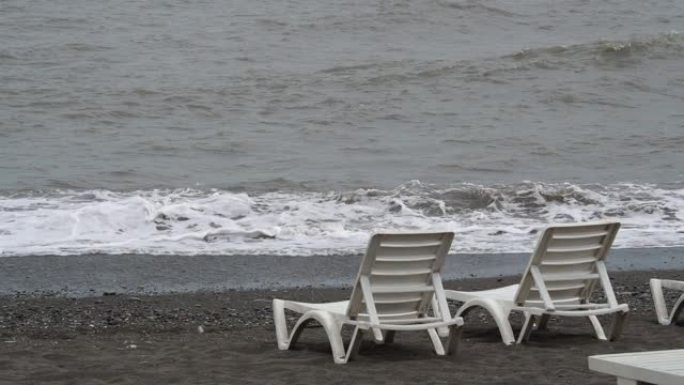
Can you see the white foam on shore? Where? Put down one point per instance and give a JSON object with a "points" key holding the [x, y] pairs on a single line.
{"points": [[486, 219]]}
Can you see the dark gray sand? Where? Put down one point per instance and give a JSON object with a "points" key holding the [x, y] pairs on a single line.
{"points": [[155, 339]]}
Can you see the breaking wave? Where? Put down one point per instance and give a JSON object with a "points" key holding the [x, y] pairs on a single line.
{"points": [[497, 218]]}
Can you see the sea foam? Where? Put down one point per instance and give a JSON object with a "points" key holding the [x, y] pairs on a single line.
{"points": [[498, 218]]}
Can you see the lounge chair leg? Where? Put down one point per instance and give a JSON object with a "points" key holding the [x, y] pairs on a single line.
{"points": [[453, 340], [389, 336], [280, 325], [543, 321], [332, 327], [498, 312], [618, 324], [297, 331], [442, 331], [354, 344], [334, 331], [436, 342], [526, 328], [378, 337], [659, 300], [598, 329]]}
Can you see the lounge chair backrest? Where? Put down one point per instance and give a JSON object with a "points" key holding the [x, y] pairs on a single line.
{"points": [[398, 277], [566, 265]]}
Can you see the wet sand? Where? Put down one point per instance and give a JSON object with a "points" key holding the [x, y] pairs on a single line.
{"points": [[156, 339], [97, 274]]}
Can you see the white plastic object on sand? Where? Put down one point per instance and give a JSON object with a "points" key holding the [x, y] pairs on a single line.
{"points": [[562, 273], [398, 288], [657, 286], [662, 367]]}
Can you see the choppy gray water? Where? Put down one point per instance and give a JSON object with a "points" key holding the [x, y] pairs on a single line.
{"points": [[111, 111]]}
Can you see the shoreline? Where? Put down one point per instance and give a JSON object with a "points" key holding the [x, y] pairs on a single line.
{"points": [[97, 274]]}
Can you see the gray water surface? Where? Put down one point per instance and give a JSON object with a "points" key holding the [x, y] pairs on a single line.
{"points": [[309, 95]]}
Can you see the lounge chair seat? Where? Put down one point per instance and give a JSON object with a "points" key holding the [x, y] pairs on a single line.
{"points": [[398, 288], [562, 273]]}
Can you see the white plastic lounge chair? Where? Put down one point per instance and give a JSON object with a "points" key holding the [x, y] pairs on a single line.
{"points": [[398, 284], [559, 280], [659, 299]]}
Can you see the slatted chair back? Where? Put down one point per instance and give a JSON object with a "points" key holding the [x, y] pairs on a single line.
{"points": [[566, 265], [398, 278]]}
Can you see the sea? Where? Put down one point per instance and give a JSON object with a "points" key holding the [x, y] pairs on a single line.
{"points": [[300, 127]]}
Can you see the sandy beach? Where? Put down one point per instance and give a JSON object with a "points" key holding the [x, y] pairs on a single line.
{"points": [[227, 337]]}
